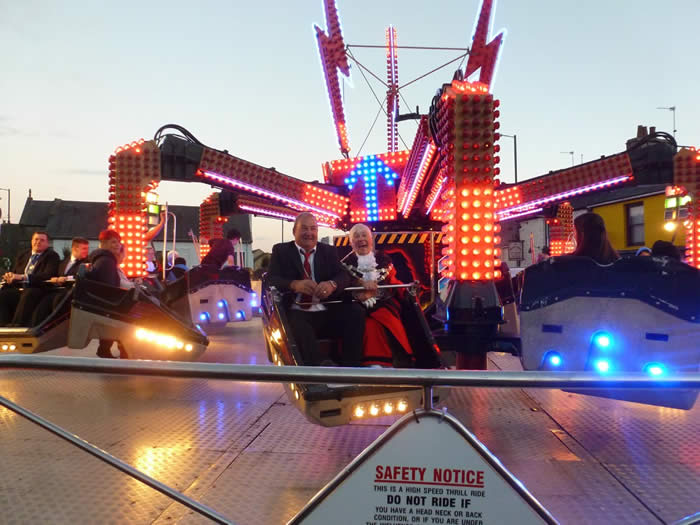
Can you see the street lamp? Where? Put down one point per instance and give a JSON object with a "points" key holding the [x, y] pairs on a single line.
{"points": [[9, 202], [569, 153], [515, 154], [672, 109]]}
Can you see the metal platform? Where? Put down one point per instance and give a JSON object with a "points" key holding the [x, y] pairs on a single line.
{"points": [[242, 449]]}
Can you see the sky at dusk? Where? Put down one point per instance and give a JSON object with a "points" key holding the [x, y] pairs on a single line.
{"points": [[78, 79]]}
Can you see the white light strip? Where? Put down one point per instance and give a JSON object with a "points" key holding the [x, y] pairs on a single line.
{"points": [[437, 195], [420, 175], [529, 212], [266, 193]]}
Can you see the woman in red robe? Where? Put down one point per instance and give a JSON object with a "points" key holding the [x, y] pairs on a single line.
{"points": [[385, 341]]}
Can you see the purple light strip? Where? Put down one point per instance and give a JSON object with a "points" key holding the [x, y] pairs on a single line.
{"points": [[271, 213], [523, 214], [266, 193], [563, 195], [420, 175]]}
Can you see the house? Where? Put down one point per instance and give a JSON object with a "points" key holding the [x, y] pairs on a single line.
{"points": [[63, 220]]}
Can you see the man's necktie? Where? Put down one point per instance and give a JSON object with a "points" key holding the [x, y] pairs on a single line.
{"points": [[32, 262], [307, 275]]}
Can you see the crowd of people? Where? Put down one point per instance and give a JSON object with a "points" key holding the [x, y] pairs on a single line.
{"points": [[369, 327]]}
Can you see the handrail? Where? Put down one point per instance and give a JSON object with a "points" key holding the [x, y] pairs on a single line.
{"points": [[308, 374], [360, 376]]}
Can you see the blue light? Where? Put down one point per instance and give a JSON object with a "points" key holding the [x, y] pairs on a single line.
{"points": [[602, 365], [221, 304], [602, 340], [253, 303], [221, 315], [204, 316], [655, 369], [553, 358], [240, 314]]}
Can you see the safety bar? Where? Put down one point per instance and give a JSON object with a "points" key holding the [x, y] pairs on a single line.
{"points": [[165, 240], [354, 289], [380, 287], [359, 376]]}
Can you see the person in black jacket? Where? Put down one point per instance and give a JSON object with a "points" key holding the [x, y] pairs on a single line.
{"points": [[47, 299], [31, 270], [312, 270], [103, 261], [104, 268]]}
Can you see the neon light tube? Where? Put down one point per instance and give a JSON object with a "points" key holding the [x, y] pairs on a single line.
{"points": [[266, 193], [564, 195]]}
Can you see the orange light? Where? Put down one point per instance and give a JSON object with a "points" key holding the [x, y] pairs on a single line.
{"points": [[476, 275]]}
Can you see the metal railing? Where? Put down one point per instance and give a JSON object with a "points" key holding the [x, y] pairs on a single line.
{"points": [[425, 379]]}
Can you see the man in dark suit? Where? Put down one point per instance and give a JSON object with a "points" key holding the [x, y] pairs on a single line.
{"points": [[43, 301], [31, 270], [312, 270]]}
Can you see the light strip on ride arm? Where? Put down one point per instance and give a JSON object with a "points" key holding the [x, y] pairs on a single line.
{"points": [[224, 170], [419, 163], [528, 207], [331, 48], [392, 93], [134, 170], [263, 208], [563, 184]]}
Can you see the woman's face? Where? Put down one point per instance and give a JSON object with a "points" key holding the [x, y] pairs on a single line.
{"points": [[361, 241]]}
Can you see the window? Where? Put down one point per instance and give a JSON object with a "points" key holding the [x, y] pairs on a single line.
{"points": [[635, 224]]}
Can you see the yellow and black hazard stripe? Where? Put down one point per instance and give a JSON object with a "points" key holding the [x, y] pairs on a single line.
{"points": [[394, 238]]}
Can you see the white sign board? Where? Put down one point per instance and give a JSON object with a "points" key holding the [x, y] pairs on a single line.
{"points": [[427, 468]]}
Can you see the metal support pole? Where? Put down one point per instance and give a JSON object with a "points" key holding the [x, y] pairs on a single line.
{"points": [[115, 462], [515, 155], [428, 397]]}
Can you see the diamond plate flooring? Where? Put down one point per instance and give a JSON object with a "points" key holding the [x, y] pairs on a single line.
{"points": [[244, 450]]}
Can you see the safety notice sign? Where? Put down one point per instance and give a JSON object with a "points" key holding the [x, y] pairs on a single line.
{"points": [[427, 468]]}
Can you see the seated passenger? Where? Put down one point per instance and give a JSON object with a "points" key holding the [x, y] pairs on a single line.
{"points": [[643, 252], [178, 270], [223, 251], [31, 270], [665, 249], [105, 269], [385, 341], [312, 270], [592, 239], [48, 299]]}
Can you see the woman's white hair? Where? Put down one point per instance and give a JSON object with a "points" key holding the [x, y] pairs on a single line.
{"points": [[359, 226]]}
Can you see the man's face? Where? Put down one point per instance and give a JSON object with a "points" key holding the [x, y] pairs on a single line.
{"points": [[150, 254], [79, 251], [306, 232], [40, 243], [361, 241]]}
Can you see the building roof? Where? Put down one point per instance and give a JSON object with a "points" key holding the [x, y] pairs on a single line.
{"points": [[626, 193], [67, 219]]}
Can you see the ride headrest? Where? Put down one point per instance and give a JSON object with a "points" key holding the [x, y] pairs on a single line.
{"points": [[662, 282]]}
